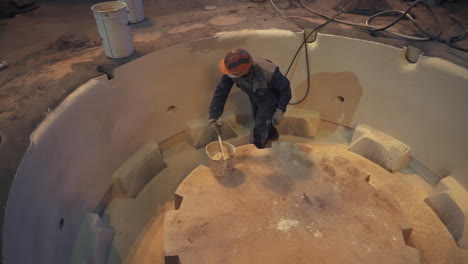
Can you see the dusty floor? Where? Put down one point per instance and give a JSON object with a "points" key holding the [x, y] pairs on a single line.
{"points": [[293, 203], [139, 222], [54, 49]]}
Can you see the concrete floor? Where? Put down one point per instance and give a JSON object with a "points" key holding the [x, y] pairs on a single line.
{"points": [[42, 72]]}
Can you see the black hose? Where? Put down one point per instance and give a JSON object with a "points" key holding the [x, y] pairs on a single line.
{"points": [[461, 36], [286, 16], [307, 69], [331, 19], [398, 19], [307, 52], [372, 29], [450, 42], [406, 13]]}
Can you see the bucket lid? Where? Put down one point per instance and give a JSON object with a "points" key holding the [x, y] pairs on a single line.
{"points": [[110, 6]]}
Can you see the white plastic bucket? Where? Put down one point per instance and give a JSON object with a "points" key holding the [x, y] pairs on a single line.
{"points": [[220, 167], [112, 22], [135, 10]]}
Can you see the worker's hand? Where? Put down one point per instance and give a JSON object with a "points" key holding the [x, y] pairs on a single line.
{"points": [[215, 125], [277, 117]]}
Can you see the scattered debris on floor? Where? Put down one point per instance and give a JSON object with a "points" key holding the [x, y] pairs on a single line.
{"points": [[210, 7], [3, 65], [66, 42]]}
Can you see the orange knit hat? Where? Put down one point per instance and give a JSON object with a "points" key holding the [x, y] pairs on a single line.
{"points": [[236, 61]]}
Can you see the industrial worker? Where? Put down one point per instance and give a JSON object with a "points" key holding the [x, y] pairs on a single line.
{"points": [[268, 90]]}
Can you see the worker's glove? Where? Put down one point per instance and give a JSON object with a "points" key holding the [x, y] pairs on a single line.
{"points": [[215, 125], [277, 117]]}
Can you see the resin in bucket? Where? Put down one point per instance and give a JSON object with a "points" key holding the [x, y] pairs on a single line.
{"points": [[218, 166], [112, 22]]}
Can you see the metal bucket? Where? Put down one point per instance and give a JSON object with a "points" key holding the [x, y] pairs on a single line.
{"points": [[218, 166], [135, 10], [112, 22]]}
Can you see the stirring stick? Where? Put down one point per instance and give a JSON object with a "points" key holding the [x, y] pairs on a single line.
{"points": [[221, 147]]}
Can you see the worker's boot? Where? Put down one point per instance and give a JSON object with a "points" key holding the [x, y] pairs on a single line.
{"points": [[273, 134], [259, 141]]}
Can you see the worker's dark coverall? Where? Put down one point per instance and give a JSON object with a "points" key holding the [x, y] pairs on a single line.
{"points": [[267, 88]]}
